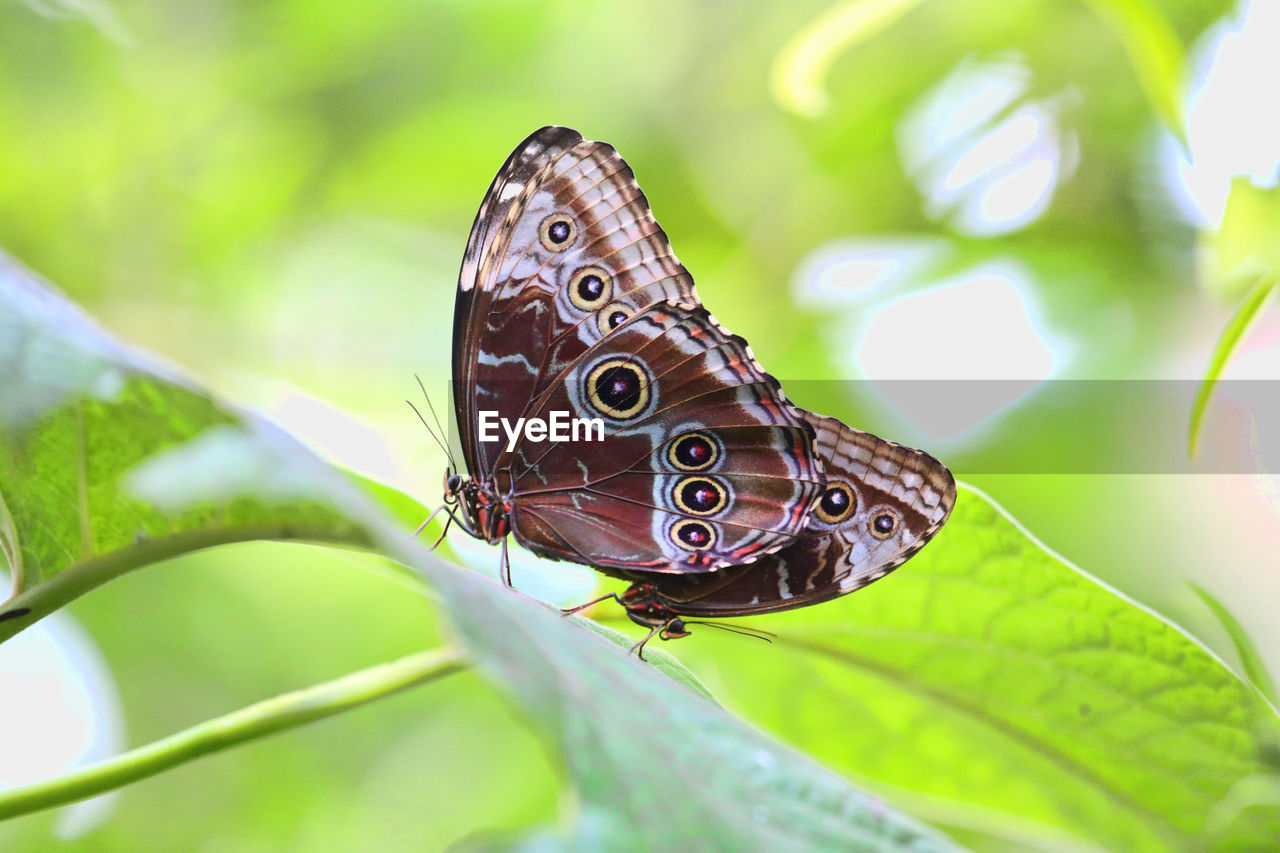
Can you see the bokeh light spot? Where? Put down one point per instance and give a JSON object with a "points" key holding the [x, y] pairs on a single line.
{"points": [[983, 326], [1230, 65], [986, 158], [61, 711]]}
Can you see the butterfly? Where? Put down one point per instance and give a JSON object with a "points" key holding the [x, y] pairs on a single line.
{"points": [[571, 302], [709, 491]]}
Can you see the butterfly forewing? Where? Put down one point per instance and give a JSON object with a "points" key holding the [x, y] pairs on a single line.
{"points": [[703, 464], [563, 250]]}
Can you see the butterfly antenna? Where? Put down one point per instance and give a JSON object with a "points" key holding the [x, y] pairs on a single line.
{"points": [[452, 464], [744, 630], [431, 432]]}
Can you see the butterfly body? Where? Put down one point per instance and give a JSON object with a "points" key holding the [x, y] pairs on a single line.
{"points": [[484, 514]]}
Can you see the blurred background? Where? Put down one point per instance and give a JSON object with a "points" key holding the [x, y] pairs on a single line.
{"points": [[276, 195]]}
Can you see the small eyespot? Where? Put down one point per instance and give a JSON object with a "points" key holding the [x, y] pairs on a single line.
{"points": [[618, 388], [693, 535], [557, 232], [836, 504], [883, 524], [613, 316], [589, 288], [699, 496], [693, 451]]}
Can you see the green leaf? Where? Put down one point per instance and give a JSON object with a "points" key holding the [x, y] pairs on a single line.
{"points": [[79, 410], [622, 725], [658, 657], [666, 765], [1244, 246], [801, 67], [1222, 350], [1254, 667], [991, 672], [1156, 54]]}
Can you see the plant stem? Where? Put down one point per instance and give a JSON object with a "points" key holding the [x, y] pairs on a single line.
{"points": [[1226, 345], [264, 718], [33, 604]]}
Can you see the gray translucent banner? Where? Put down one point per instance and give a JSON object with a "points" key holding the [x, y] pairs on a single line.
{"points": [[1063, 426], [1057, 426]]}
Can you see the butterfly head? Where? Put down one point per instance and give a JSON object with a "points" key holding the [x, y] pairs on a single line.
{"points": [[673, 630], [485, 515]]}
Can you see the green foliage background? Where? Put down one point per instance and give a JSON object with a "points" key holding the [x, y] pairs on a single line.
{"points": [[275, 195]]}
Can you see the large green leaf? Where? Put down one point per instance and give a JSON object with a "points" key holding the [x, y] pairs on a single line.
{"points": [[990, 671], [638, 746], [77, 411], [665, 765]]}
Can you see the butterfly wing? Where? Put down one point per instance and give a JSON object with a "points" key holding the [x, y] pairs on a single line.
{"points": [[882, 503], [563, 250], [703, 464]]}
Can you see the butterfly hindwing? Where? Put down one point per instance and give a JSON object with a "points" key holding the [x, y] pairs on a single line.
{"points": [[703, 464], [881, 503]]}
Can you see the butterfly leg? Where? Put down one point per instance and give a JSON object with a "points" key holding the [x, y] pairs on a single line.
{"points": [[569, 611], [443, 533], [423, 525], [638, 648], [504, 564]]}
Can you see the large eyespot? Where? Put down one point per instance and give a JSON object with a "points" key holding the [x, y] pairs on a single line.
{"points": [[693, 535], [557, 232], [618, 388], [883, 523], [836, 504], [693, 451], [589, 288], [699, 496], [613, 316]]}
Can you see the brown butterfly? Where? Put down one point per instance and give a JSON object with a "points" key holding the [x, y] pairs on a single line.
{"points": [[571, 301], [709, 491]]}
